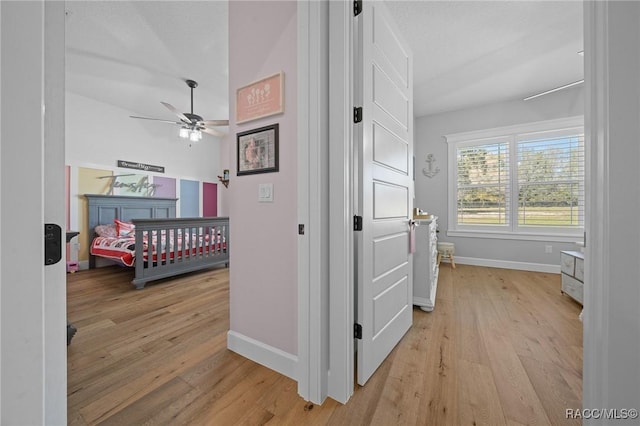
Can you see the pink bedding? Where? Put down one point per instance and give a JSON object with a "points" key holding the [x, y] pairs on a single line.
{"points": [[122, 249]]}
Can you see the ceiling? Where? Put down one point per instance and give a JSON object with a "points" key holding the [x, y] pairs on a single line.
{"points": [[469, 53], [134, 54]]}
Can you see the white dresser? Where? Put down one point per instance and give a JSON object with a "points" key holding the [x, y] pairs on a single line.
{"points": [[572, 268], [425, 264]]}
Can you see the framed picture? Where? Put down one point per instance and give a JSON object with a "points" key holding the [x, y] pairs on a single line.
{"points": [[260, 99], [258, 150]]}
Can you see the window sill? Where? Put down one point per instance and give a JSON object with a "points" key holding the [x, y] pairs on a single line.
{"points": [[560, 238]]}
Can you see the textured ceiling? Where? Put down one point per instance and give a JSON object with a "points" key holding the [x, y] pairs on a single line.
{"points": [[469, 53], [135, 54]]}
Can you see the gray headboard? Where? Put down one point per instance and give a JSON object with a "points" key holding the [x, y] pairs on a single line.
{"points": [[103, 209]]}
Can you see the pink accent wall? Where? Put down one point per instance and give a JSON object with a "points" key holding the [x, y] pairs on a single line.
{"points": [[263, 266], [209, 199]]}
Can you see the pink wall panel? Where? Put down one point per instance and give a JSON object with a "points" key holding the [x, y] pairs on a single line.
{"points": [[209, 199]]}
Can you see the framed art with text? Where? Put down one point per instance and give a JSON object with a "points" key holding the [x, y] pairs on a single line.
{"points": [[261, 98]]}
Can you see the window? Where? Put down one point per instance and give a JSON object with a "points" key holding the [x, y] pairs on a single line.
{"points": [[523, 181]]}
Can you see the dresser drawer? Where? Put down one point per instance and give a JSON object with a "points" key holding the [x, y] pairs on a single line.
{"points": [[579, 274], [567, 263], [573, 288]]}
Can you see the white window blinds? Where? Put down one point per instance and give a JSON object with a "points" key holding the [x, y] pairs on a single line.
{"points": [[526, 180], [551, 181], [483, 184]]}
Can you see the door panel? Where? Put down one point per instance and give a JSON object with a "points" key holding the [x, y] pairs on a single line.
{"points": [[384, 177], [389, 201], [388, 254], [389, 150]]}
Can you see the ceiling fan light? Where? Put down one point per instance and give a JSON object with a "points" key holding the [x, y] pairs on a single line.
{"points": [[184, 132], [195, 136]]}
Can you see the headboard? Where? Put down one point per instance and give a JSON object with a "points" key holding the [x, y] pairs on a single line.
{"points": [[103, 209]]}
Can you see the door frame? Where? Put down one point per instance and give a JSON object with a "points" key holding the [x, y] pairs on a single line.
{"points": [[33, 344], [341, 186], [610, 373], [313, 200], [325, 277], [340, 384]]}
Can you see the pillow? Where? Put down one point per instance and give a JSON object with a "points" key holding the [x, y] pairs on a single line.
{"points": [[108, 231], [124, 229]]}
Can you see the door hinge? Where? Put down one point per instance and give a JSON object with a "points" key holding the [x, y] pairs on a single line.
{"points": [[357, 114], [357, 7], [357, 331], [357, 223]]}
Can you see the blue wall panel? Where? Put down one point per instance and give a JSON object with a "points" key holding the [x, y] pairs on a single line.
{"points": [[189, 198]]}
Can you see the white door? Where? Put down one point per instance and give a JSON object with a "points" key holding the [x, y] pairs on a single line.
{"points": [[384, 68]]}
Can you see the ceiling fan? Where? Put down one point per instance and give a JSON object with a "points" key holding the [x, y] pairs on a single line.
{"points": [[191, 125]]}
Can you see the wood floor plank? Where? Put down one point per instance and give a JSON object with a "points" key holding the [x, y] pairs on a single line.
{"points": [[479, 402], [440, 398], [553, 390], [501, 347]]}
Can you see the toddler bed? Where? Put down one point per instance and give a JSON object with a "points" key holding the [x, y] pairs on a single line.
{"points": [[143, 232]]}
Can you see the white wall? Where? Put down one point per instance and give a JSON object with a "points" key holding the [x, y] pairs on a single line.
{"points": [[100, 134], [263, 272], [431, 193], [612, 278]]}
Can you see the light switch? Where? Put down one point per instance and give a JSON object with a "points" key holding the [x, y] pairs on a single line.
{"points": [[265, 193]]}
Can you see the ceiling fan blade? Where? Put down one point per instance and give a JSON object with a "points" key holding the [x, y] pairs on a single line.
{"points": [[176, 112], [157, 119], [213, 132], [214, 123]]}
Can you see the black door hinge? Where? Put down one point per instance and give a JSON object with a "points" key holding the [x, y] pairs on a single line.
{"points": [[357, 7], [357, 331], [357, 114], [357, 223]]}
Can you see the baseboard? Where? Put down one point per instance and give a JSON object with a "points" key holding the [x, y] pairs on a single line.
{"points": [[83, 264], [273, 358], [506, 264]]}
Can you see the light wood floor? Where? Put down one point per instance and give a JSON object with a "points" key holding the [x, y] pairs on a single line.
{"points": [[501, 347]]}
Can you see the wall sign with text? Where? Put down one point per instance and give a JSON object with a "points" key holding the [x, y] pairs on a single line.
{"points": [[140, 166], [261, 98]]}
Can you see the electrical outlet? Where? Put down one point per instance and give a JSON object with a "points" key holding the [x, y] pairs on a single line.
{"points": [[548, 249]]}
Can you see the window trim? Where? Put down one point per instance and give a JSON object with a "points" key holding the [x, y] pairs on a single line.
{"points": [[511, 133]]}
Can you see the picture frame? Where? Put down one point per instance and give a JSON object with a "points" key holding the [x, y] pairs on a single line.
{"points": [[261, 98], [257, 150]]}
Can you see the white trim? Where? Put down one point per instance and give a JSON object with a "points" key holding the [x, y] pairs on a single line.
{"points": [[505, 264], [536, 126], [560, 238], [313, 200], [273, 358], [341, 283], [595, 382], [304, 277]]}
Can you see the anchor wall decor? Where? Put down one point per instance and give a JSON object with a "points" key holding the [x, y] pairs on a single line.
{"points": [[431, 170]]}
